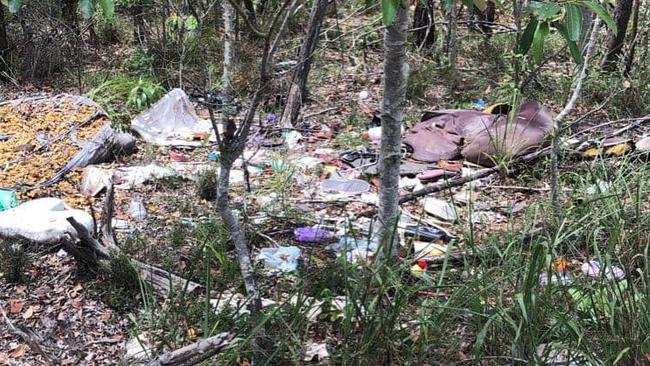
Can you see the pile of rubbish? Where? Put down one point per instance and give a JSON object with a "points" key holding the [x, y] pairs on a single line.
{"points": [[45, 139]]}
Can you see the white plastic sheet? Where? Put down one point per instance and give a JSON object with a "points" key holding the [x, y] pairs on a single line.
{"points": [[172, 121]]}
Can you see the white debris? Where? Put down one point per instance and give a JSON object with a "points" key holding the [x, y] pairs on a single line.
{"points": [[42, 220], [172, 121], [94, 180], [138, 349], [315, 352], [439, 208]]}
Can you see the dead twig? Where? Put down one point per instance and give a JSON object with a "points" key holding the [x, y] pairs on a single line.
{"points": [[28, 336], [195, 352]]}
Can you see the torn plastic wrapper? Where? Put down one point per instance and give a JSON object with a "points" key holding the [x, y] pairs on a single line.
{"points": [[312, 235], [282, 259], [171, 121]]}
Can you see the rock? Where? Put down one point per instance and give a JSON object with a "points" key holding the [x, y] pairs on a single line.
{"points": [[440, 209], [137, 211]]}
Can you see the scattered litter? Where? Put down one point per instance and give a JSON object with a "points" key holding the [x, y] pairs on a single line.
{"points": [[121, 226], [373, 134], [132, 176], [465, 196], [347, 243], [61, 253], [594, 269], [562, 278], [440, 209], [137, 211], [600, 187], [426, 233], [556, 355], [213, 155], [138, 349], [312, 234], [408, 183], [479, 104], [433, 174], [292, 139], [614, 146], [476, 136], [94, 180], [42, 220], [171, 121], [363, 95], [8, 199], [428, 249], [283, 259], [643, 145], [315, 352], [176, 156], [307, 163], [345, 186]]}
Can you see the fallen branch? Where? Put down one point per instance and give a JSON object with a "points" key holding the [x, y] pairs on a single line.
{"points": [[195, 352], [28, 336], [97, 254]]}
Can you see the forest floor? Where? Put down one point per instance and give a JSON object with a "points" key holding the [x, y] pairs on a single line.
{"points": [[77, 318]]}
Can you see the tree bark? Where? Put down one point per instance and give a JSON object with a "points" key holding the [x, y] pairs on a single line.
{"points": [[4, 44], [453, 40], [69, 14], [634, 34], [424, 24], [139, 29], [395, 78], [615, 41], [299, 81]]}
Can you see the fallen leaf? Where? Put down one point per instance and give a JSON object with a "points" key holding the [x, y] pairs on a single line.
{"points": [[29, 312], [15, 306], [19, 351]]}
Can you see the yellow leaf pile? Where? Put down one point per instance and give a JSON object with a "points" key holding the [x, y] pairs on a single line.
{"points": [[40, 143]]}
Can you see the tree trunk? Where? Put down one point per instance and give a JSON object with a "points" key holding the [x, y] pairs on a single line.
{"points": [[139, 29], [395, 78], [69, 13], [299, 81], [228, 39], [424, 24], [615, 41], [482, 19], [4, 44], [634, 34], [453, 46]]}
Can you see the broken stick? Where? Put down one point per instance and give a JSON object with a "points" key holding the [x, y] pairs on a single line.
{"points": [[195, 352]]}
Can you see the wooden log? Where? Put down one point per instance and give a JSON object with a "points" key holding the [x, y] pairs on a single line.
{"points": [[195, 352]]}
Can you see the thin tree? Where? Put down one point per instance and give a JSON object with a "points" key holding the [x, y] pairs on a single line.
{"points": [[4, 43], [561, 117], [232, 145], [634, 34], [616, 39], [424, 26], [395, 78], [301, 73]]}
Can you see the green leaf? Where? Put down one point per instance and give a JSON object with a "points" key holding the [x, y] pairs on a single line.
{"points": [[108, 6], [389, 11], [538, 42], [86, 7], [573, 21], [14, 5], [573, 46], [480, 4], [602, 13], [547, 11], [527, 37]]}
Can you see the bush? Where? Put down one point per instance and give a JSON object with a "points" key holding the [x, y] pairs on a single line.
{"points": [[206, 185], [14, 259]]}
